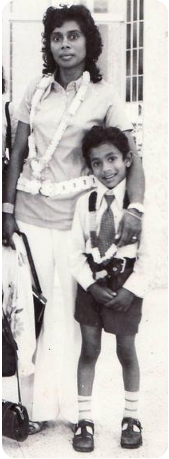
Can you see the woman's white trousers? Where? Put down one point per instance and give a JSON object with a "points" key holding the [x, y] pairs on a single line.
{"points": [[53, 390]]}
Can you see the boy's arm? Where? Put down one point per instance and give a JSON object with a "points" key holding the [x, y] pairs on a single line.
{"points": [[134, 286], [131, 223], [139, 280], [137, 283], [79, 265]]}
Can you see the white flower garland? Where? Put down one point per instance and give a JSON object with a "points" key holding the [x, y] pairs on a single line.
{"points": [[110, 253], [47, 188], [38, 164]]}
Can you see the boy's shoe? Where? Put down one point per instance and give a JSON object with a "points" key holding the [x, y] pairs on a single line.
{"points": [[130, 438], [83, 442]]}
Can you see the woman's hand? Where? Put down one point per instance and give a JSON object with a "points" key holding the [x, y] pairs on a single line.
{"points": [[122, 301], [9, 227], [129, 229], [101, 294]]}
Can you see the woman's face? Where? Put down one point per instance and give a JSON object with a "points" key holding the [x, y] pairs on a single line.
{"points": [[68, 45]]}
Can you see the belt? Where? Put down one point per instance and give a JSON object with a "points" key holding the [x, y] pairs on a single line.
{"points": [[115, 267], [119, 265], [48, 188]]}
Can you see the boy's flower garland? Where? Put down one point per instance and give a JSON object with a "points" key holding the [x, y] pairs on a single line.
{"points": [[38, 164], [109, 254]]}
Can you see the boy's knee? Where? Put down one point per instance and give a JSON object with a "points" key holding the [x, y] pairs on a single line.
{"points": [[125, 354], [91, 352]]}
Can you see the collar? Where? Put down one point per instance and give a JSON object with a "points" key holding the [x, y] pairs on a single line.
{"points": [[54, 84], [118, 191], [73, 84]]}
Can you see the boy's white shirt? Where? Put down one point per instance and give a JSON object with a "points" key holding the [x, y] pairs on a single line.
{"points": [[136, 283]]}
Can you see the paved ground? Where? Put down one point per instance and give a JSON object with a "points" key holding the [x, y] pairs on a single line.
{"points": [[56, 440]]}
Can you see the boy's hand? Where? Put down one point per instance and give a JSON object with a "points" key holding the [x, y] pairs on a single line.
{"points": [[129, 229], [102, 295], [122, 301]]}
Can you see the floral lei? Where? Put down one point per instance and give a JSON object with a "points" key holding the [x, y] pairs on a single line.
{"points": [[38, 164]]}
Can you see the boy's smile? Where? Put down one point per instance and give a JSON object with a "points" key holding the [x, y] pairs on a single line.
{"points": [[108, 165]]}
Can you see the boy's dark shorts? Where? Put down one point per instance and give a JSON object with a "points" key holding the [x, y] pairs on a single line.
{"points": [[89, 312]]}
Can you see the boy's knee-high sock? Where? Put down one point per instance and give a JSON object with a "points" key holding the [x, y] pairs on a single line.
{"points": [[131, 404], [84, 406]]}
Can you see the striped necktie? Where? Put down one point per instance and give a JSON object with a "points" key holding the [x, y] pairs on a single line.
{"points": [[107, 227]]}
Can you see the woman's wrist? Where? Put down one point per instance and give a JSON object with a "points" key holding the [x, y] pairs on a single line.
{"points": [[8, 208]]}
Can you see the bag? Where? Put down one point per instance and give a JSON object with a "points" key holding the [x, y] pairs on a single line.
{"points": [[18, 303], [9, 349], [38, 298], [15, 421]]}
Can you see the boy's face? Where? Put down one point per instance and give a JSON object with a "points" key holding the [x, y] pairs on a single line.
{"points": [[108, 165]]}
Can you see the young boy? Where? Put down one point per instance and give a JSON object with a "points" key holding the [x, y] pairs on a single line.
{"points": [[110, 281]]}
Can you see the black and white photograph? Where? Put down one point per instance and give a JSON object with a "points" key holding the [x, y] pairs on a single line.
{"points": [[84, 229]]}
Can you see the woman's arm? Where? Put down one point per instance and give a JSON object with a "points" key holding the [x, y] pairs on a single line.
{"points": [[131, 223], [19, 153], [135, 178], [14, 122]]}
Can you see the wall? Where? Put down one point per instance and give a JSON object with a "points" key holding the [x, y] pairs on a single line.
{"points": [[155, 138]]}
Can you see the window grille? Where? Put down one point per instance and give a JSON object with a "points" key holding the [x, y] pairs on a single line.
{"points": [[135, 66], [134, 50]]}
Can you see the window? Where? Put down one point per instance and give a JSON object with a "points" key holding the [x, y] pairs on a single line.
{"points": [[134, 67], [100, 6], [134, 51]]}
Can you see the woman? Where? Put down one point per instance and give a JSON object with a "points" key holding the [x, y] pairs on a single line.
{"points": [[57, 110]]}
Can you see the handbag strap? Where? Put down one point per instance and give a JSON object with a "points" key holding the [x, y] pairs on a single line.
{"points": [[15, 347], [8, 131], [18, 383], [31, 262]]}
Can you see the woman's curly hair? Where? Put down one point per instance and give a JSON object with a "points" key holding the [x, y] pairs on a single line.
{"points": [[55, 17]]}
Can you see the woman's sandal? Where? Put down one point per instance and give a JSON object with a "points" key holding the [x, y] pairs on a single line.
{"points": [[130, 437], [83, 442], [35, 427]]}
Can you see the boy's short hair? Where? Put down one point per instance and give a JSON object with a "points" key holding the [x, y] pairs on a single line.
{"points": [[99, 135]]}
